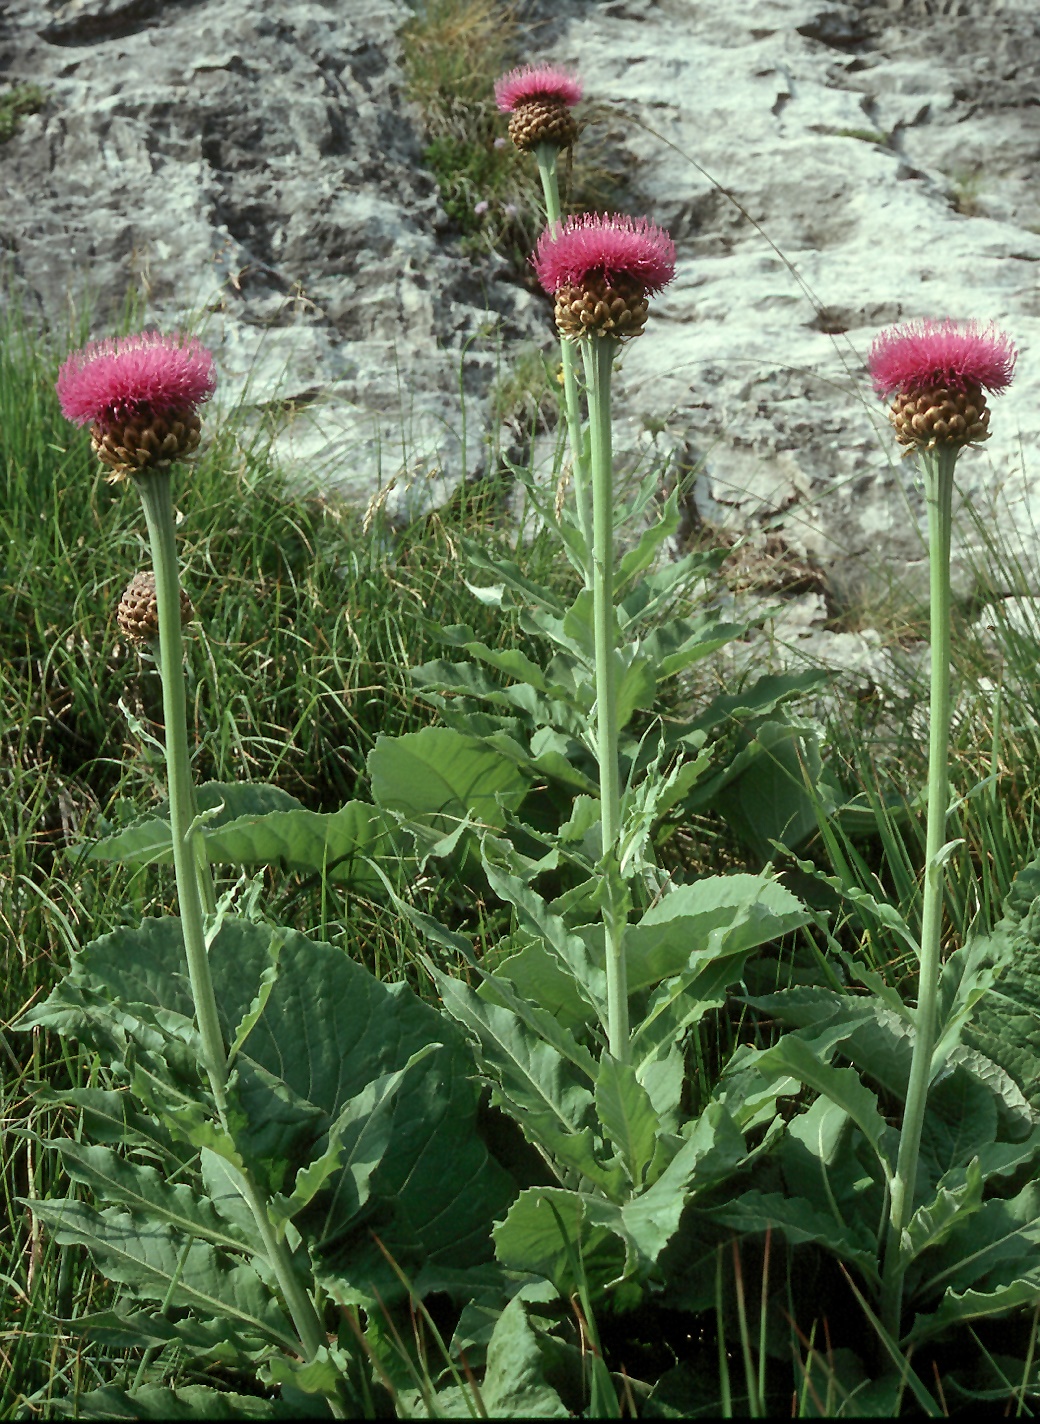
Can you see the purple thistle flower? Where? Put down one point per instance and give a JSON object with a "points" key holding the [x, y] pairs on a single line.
{"points": [[616, 246], [108, 383], [924, 354], [536, 81]]}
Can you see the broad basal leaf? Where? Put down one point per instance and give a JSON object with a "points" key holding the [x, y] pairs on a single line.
{"points": [[514, 1384], [443, 773], [534, 1238], [193, 1401], [541, 1089], [159, 1263], [719, 915]]}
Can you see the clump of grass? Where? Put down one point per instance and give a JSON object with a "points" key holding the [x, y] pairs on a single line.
{"points": [[965, 190], [15, 103], [454, 50]]}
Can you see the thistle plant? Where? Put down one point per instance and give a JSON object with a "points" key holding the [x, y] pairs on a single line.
{"points": [[601, 272], [538, 99], [141, 397], [938, 374]]}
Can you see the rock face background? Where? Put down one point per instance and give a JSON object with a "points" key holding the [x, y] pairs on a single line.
{"points": [[825, 169]]}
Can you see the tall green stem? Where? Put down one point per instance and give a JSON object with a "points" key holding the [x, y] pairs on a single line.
{"points": [[598, 353], [156, 497], [547, 155], [938, 466]]}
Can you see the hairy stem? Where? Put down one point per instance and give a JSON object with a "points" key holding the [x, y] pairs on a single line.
{"points": [[598, 353], [157, 500], [938, 466], [547, 155]]}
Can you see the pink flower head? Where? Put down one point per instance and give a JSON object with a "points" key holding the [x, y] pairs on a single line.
{"points": [[111, 382], [923, 354], [536, 81], [617, 246]]}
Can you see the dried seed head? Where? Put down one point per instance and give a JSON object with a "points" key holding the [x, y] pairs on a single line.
{"points": [[138, 611], [940, 415], [602, 306], [146, 442]]}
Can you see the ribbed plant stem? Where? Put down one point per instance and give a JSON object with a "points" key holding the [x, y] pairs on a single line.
{"points": [[157, 500], [598, 353], [547, 155], [937, 466]]}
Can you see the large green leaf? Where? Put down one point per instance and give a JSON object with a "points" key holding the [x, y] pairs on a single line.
{"points": [[627, 1116], [193, 1401], [530, 1239], [842, 1086], [545, 1093], [159, 1263], [514, 1384], [148, 838], [798, 1221], [718, 916], [262, 825], [113, 1178], [536, 975], [441, 773], [713, 1148], [997, 1247], [567, 948], [675, 645], [776, 795], [327, 1031]]}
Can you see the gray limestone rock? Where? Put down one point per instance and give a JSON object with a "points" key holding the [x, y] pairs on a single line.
{"points": [[259, 164], [827, 167]]}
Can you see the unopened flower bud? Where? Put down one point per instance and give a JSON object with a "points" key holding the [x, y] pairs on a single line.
{"points": [[138, 611]]}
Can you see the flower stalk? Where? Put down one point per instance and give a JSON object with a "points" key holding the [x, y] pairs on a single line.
{"points": [[601, 270], [938, 374], [141, 397], [547, 155], [938, 467], [157, 502], [598, 353]]}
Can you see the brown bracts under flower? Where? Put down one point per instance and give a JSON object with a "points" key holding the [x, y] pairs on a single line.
{"points": [[140, 395], [538, 100], [940, 415], [612, 306], [138, 611], [146, 443]]}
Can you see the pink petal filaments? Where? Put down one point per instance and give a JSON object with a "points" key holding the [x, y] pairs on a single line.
{"points": [[925, 353], [110, 382], [541, 81], [616, 246]]}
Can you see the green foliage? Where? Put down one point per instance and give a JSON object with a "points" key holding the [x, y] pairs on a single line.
{"points": [[15, 102]]}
